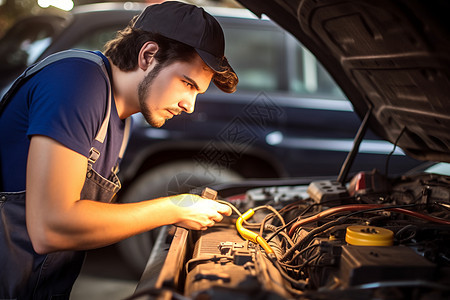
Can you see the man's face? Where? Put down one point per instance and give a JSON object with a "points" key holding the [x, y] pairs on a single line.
{"points": [[169, 91]]}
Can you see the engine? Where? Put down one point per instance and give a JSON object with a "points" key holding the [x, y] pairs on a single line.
{"points": [[372, 238]]}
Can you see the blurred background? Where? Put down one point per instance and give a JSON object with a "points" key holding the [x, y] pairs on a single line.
{"points": [[12, 10]]}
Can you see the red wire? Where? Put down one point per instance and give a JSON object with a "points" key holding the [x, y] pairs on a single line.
{"points": [[354, 207]]}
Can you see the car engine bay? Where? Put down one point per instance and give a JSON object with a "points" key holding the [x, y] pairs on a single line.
{"points": [[372, 238]]}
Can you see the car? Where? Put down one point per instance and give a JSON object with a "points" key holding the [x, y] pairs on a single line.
{"points": [[288, 118], [368, 234]]}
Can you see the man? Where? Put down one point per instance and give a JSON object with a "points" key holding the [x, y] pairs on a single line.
{"points": [[62, 135]]}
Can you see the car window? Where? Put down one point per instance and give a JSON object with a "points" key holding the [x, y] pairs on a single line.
{"points": [[268, 59], [307, 75], [255, 53]]}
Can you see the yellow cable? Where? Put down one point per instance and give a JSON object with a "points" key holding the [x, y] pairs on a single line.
{"points": [[250, 235]]}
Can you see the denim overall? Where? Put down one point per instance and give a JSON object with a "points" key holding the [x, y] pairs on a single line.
{"points": [[49, 276]]}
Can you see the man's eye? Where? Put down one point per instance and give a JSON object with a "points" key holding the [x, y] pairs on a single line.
{"points": [[188, 84]]}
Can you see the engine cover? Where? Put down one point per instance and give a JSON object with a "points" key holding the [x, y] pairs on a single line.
{"points": [[362, 264]]}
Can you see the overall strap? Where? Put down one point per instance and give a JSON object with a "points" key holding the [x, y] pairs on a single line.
{"points": [[126, 136], [56, 57], [123, 147]]}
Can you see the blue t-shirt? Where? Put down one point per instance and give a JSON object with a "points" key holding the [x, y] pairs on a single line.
{"points": [[67, 102]]}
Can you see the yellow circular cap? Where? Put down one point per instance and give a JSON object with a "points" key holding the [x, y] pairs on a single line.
{"points": [[359, 235]]}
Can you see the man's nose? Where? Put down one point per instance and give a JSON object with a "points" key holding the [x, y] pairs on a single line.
{"points": [[188, 104]]}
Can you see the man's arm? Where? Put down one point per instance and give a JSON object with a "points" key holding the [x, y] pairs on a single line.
{"points": [[57, 219]]}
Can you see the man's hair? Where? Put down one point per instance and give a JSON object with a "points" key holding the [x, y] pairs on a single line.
{"points": [[124, 49]]}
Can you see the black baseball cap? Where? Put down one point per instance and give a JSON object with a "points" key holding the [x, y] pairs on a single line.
{"points": [[193, 26]]}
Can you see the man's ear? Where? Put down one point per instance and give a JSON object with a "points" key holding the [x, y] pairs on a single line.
{"points": [[147, 55]]}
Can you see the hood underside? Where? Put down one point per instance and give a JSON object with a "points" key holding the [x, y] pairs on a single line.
{"points": [[391, 56]]}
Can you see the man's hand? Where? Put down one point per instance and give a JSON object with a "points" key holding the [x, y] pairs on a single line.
{"points": [[198, 213]]}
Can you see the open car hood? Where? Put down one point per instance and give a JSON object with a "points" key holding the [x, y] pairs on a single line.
{"points": [[389, 56]]}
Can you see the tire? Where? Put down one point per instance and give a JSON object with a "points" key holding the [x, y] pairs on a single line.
{"points": [[168, 179]]}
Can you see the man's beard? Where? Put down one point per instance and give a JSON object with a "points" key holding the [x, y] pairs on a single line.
{"points": [[144, 91]]}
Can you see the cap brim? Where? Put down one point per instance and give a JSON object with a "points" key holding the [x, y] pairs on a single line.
{"points": [[225, 77], [217, 64]]}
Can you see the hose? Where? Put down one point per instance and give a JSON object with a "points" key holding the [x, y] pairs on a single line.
{"points": [[250, 235]]}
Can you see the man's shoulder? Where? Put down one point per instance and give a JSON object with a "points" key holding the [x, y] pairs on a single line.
{"points": [[69, 66], [71, 84], [72, 75]]}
